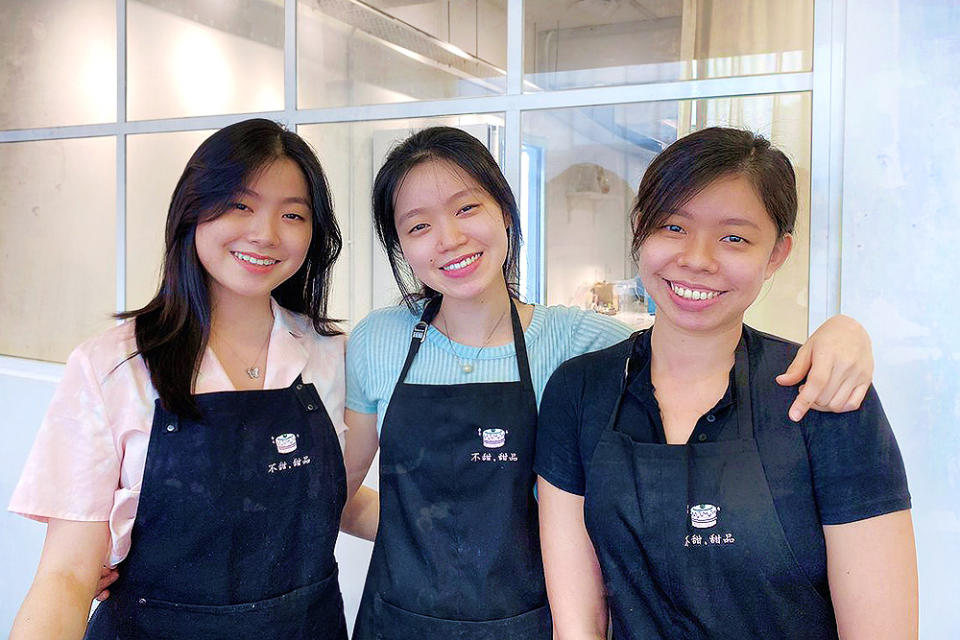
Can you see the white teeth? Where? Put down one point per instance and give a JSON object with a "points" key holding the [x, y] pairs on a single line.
{"points": [[463, 263], [690, 294], [265, 262]]}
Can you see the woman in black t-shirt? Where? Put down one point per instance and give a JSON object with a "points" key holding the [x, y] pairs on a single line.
{"points": [[671, 488]]}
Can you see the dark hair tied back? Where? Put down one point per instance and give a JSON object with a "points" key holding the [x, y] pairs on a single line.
{"points": [[693, 162], [173, 328], [462, 150]]}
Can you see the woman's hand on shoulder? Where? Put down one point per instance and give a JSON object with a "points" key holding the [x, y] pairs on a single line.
{"points": [[837, 362]]}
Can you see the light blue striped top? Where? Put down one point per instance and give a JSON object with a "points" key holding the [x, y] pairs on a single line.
{"points": [[378, 346]]}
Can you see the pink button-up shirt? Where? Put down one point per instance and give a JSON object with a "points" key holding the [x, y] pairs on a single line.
{"points": [[88, 457]]}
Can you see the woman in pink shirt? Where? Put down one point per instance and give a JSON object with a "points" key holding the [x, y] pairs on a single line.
{"points": [[200, 442]]}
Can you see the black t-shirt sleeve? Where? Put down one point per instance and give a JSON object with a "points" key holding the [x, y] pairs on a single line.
{"points": [[558, 457], [857, 469]]}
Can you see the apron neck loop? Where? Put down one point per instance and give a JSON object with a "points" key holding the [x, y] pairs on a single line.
{"points": [[430, 312], [741, 379], [420, 334], [611, 423], [520, 346]]}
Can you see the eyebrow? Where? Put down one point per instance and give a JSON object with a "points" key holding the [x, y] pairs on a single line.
{"points": [[738, 222], [457, 195], [289, 200], [726, 222]]}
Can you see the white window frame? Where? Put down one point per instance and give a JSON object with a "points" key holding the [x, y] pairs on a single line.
{"points": [[825, 83]]}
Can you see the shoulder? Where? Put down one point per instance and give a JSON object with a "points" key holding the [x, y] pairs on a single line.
{"points": [[769, 345], [580, 329], [382, 327], [596, 368], [108, 352], [770, 356], [386, 320], [301, 327], [558, 315]]}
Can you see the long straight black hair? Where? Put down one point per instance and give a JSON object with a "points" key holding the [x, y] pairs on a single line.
{"points": [[173, 328], [459, 148]]}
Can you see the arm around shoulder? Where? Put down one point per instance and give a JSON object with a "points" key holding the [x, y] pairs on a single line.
{"points": [[59, 599], [837, 362]]}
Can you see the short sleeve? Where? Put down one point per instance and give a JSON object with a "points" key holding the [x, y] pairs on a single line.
{"points": [[558, 458], [73, 469], [858, 471], [359, 398]]}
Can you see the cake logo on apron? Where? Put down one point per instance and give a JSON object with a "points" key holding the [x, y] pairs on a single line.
{"points": [[493, 438], [286, 442], [704, 516]]}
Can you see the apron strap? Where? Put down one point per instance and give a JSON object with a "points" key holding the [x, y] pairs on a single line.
{"points": [[306, 394], [430, 312], [611, 423], [520, 347], [419, 334], [741, 380]]}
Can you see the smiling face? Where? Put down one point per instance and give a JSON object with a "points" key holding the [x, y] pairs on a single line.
{"points": [[452, 232], [262, 239], [708, 260]]}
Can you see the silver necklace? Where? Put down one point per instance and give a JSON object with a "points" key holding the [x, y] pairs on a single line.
{"points": [[465, 365], [253, 371]]}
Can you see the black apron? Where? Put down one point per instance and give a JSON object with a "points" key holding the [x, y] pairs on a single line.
{"points": [[236, 525], [689, 540], [457, 554]]}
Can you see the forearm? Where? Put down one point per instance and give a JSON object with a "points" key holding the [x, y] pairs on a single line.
{"points": [[57, 606], [574, 582], [58, 603], [361, 515]]}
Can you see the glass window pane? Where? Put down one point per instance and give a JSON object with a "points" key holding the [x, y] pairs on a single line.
{"points": [[58, 246], [192, 58], [154, 164], [586, 43], [58, 63], [352, 52], [351, 155], [593, 161]]}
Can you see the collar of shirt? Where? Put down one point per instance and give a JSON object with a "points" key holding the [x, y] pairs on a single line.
{"points": [[640, 386], [286, 357]]}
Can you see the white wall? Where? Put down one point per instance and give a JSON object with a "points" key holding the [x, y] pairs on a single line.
{"points": [[901, 231], [24, 399]]}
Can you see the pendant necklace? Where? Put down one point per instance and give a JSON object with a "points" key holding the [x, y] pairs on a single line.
{"points": [[466, 366], [253, 371]]}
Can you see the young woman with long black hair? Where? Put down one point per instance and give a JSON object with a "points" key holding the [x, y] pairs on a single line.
{"points": [[447, 387], [199, 443]]}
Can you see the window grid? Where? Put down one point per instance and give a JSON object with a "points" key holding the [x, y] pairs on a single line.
{"points": [[824, 82]]}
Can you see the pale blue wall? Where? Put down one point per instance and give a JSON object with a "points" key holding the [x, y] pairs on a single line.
{"points": [[901, 241]]}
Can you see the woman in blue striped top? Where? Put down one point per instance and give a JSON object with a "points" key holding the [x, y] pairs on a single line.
{"points": [[447, 386]]}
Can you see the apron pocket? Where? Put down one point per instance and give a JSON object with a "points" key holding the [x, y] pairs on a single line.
{"points": [[312, 611], [399, 624]]}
